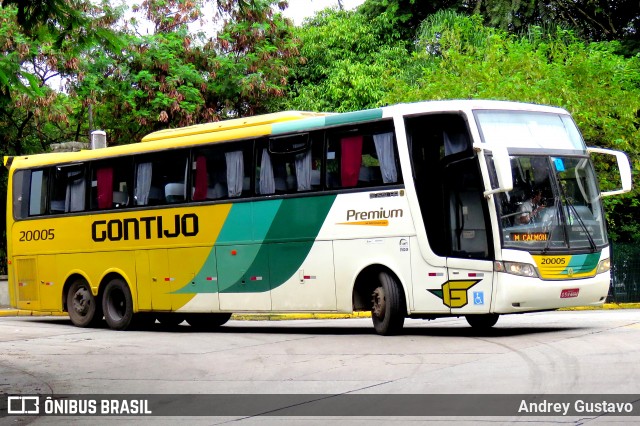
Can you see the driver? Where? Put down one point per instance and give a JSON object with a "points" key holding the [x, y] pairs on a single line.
{"points": [[530, 208]]}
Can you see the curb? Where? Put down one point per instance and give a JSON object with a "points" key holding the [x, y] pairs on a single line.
{"points": [[9, 312]]}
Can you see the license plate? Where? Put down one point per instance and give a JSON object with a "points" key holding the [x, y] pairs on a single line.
{"points": [[570, 292]]}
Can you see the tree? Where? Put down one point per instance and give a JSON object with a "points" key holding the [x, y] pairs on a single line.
{"points": [[347, 57], [173, 77], [593, 20], [405, 16]]}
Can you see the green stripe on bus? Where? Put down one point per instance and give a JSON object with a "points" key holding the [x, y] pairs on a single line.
{"points": [[297, 125], [298, 221], [353, 117], [240, 259], [248, 222], [582, 263]]}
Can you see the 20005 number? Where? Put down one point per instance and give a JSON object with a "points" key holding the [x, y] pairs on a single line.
{"points": [[37, 235], [554, 261]]}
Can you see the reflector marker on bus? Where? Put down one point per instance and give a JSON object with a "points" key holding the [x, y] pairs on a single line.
{"points": [[212, 278], [22, 284], [48, 283], [476, 274], [256, 278], [169, 279], [436, 274], [309, 277]]}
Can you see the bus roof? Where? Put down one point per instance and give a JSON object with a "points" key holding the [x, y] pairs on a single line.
{"points": [[267, 124], [235, 123]]}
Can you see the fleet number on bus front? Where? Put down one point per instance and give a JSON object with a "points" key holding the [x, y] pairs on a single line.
{"points": [[554, 261], [37, 235]]}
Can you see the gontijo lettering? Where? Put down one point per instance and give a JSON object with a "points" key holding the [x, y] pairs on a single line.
{"points": [[147, 227]]}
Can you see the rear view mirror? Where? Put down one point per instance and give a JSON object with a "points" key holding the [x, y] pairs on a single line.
{"points": [[623, 167], [502, 165]]}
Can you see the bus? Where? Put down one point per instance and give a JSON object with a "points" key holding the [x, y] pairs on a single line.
{"points": [[461, 208]]}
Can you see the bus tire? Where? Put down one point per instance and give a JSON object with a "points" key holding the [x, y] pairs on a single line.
{"points": [[117, 304], [388, 308], [169, 320], [482, 321], [83, 308], [207, 321]]}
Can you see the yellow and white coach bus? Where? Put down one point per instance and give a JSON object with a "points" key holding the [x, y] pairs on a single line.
{"points": [[424, 210]]}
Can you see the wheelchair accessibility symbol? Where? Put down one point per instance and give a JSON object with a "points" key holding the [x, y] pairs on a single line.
{"points": [[478, 297]]}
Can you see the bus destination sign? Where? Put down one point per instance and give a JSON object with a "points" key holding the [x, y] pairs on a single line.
{"points": [[529, 236]]}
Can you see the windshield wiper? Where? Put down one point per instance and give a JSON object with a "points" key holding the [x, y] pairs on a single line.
{"points": [[556, 220], [582, 225], [571, 208]]}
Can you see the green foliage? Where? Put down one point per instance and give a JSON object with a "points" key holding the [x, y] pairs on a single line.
{"points": [[405, 16], [174, 77], [348, 57]]}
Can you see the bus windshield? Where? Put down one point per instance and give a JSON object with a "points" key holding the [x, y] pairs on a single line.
{"points": [[554, 205], [524, 129]]}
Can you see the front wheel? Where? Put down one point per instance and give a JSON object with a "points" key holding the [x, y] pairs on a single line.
{"points": [[388, 306], [84, 309], [482, 321], [117, 304]]}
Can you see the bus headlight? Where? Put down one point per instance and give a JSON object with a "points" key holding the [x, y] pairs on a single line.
{"points": [[516, 268], [604, 266]]}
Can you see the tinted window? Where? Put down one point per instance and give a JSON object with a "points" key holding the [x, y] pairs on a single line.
{"points": [[111, 183], [288, 164], [221, 171], [161, 178], [361, 158]]}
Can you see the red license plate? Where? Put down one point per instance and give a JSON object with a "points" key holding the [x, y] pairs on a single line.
{"points": [[570, 292]]}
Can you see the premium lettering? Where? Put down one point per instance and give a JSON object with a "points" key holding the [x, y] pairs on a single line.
{"points": [[373, 214], [147, 227]]}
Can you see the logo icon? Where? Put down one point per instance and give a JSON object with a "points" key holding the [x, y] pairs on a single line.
{"points": [[454, 293], [23, 405], [478, 297]]}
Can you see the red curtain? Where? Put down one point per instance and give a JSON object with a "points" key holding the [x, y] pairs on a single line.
{"points": [[200, 184], [105, 187], [351, 159]]}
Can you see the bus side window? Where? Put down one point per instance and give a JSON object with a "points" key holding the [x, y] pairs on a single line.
{"points": [[21, 184], [221, 172], [362, 160], [288, 164], [161, 178], [68, 189], [111, 182], [30, 193]]}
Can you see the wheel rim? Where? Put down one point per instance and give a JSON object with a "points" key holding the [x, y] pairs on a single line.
{"points": [[379, 303], [82, 301]]}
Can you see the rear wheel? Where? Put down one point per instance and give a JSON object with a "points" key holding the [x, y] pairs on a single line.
{"points": [[117, 304], [482, 321], [207, 321], [388, 306], [84, 309]]}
